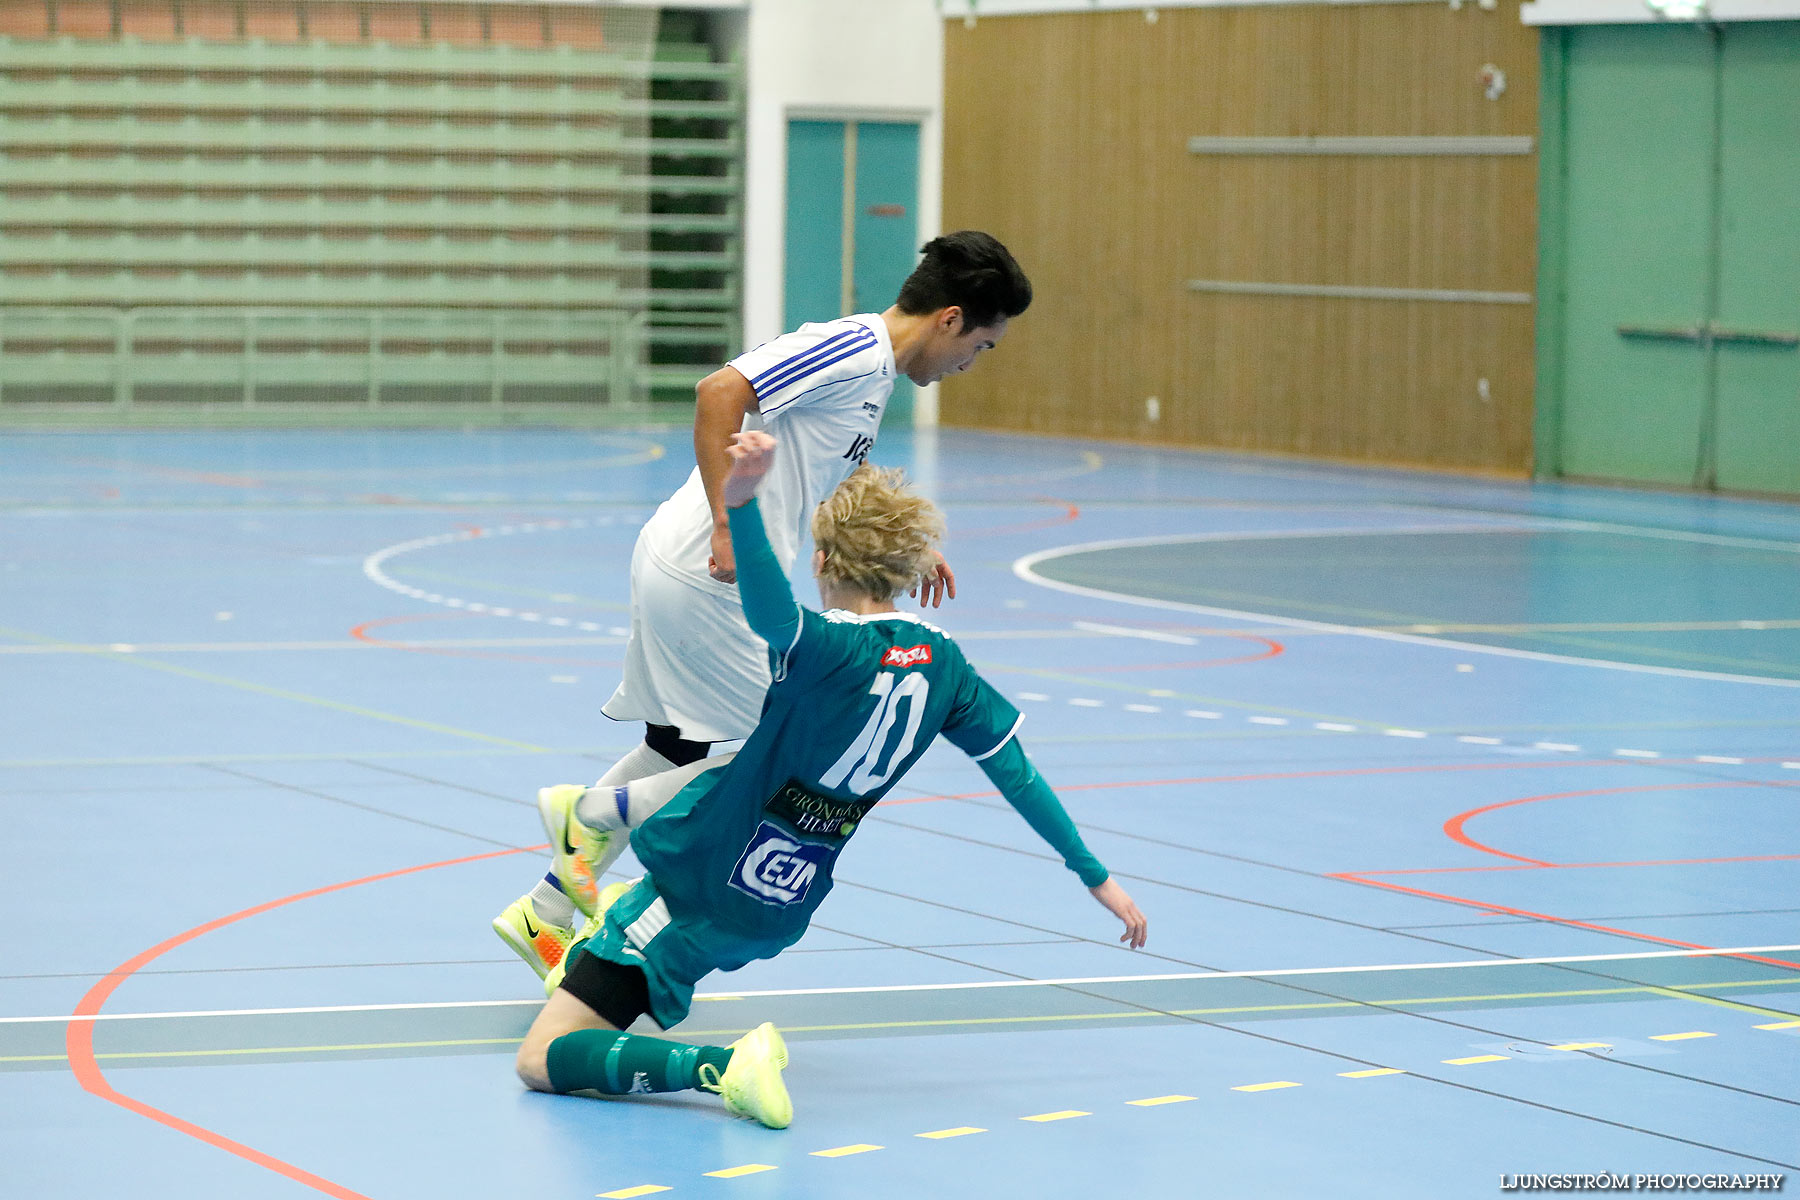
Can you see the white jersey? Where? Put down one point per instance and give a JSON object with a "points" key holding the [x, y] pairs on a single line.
{"points": [[821, 391]]}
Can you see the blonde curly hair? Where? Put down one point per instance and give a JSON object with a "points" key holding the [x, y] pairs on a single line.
{"points": [[878, 536]]}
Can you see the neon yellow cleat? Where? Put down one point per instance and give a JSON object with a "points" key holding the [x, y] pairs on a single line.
{"points": [[752, 1085], [577, 849], [542, 945], [608, 894]]}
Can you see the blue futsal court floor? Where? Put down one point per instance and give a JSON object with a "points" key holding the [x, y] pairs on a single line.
{"points": [[1445, 798]]}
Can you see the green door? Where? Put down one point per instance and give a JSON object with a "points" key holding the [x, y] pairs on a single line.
{"points": [[815, 222], [1680, 249], [1758, 440], [852, 223]]}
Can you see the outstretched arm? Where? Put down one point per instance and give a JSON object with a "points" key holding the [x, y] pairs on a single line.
{"points": [[762, 585], [1018, 780]]}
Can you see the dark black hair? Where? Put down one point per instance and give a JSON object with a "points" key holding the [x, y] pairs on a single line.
{"points": [[972, 271]]}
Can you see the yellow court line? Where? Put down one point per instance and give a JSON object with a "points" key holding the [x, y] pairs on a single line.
{"points": [[841, 1151], [283, 694], [734, 1172], [1155, 1100], [631, 1193], [1475, 1058], [1371, 1073], [1265, 1087], [1679, 1037], [1583, 1046], [951, 1022], [959, 1131], [1064, 1115], [1144, 1014]]}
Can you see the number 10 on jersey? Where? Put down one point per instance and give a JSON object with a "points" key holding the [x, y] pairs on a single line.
{"points": [[863, 767]]}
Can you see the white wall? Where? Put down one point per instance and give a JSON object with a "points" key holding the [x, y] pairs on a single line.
{"points": [[843, 58]]}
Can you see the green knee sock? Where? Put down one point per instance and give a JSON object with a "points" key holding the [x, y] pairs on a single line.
{"points": [[605, 1060]]}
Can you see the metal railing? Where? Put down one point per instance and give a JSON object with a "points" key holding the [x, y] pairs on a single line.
{"points": [[248, 354]]}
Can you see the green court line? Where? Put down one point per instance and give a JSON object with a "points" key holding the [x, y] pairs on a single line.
{"points": [[282, 693]]}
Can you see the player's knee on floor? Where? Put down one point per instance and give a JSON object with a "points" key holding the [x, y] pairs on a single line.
{"points": [[533, 1062]]}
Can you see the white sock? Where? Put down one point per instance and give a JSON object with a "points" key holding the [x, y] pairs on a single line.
{"points": [[552, 905], [628, 805], [640, 762]]}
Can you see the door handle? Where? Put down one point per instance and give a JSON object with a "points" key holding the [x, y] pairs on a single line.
{"points": [[1756, 337], [1706, 335], [1692, 333]]}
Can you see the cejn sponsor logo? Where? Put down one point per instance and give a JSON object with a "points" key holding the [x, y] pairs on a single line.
{"points": [[907, 656], [775, 869]]}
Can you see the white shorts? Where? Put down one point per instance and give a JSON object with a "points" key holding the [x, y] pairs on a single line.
{"points": [[692, 661]]}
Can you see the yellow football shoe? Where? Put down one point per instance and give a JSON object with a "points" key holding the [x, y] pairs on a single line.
{"points": [[541, 944], [580, 853], [751, 1084]]}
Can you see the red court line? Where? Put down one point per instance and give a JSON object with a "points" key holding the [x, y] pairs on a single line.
{"points": [[1525, 912], [1358, 877], [1270, 776], [184, 474], [1071, 513], [1273, 648], [1453, 828], [1536, 866], [80, 1039]]}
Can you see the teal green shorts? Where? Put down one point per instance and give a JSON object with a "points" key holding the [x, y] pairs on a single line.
{"points": [[674, 955]]}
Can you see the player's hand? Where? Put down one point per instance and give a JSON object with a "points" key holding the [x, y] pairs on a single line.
{"points": [[933, 588], [722, 564], [1120, 905], [752, 454]]}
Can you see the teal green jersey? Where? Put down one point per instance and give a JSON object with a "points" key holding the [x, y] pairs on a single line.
{"points": [[855, 701]]}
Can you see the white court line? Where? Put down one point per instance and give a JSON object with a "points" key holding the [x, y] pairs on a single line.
{"points": [[1148, 635], [1024, 568], [977, 985]]}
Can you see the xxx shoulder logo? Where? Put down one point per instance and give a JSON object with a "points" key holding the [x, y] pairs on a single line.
{"points": [[907, 656], [776, 869]]}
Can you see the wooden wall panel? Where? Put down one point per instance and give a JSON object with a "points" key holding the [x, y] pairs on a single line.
{"points": [[148, 20], [25, 18], [1066, 136], [272, 20]]}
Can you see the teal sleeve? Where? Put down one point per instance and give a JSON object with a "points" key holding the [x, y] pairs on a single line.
{"points": [[1011, 771], [763, 586]]}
